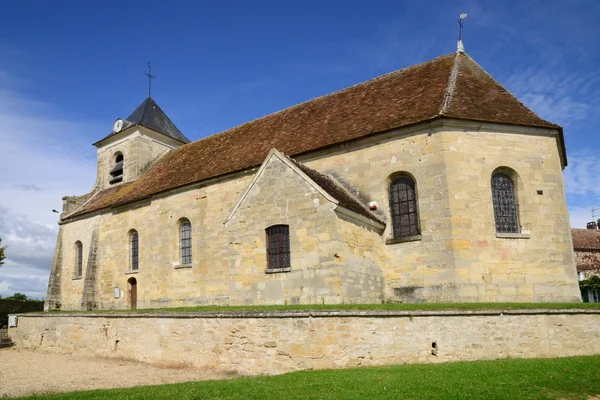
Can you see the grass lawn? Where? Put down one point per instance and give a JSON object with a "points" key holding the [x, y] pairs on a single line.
{"points": [[558, 378], [347, 307]]}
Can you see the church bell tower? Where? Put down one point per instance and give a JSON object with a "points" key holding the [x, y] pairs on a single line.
{"points": [[135, 143]]}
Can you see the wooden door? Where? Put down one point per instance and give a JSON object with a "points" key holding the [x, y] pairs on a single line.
{"points": [[132, 283]]}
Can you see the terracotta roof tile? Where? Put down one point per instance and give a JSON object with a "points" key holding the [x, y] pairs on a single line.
{"points": [[474, 94], [100, 200], [452, 85], [586, 239]]}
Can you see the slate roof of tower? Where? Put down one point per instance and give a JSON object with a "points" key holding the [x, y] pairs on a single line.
{"points": [[450, 86], [150, 115]]}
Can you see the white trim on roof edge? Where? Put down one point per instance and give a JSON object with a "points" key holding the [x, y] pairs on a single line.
{"points": [[359, 217]]}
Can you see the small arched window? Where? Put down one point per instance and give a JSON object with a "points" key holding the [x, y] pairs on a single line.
{"points": [[185, 240], [278, 247], [116, 172], [403, 207], [134, 250], [505, 204], [78, 259]]}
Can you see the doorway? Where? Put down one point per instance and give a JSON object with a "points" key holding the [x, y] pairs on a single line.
{"points": [[132, 290]]}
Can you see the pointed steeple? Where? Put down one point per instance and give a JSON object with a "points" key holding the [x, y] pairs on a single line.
{"points": [[150, 115]]}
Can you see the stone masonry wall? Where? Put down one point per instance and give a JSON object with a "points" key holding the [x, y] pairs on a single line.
{"points": [[70, 287], [458, 256], [140, 148], [255, 343]]}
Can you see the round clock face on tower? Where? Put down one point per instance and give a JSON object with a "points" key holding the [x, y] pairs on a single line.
{"points": [[118, 125]]}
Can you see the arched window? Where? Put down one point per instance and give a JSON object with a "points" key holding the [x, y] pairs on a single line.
{"points": [[403, 207], [116, 172], [278, 247], [185, 240], [78, 259], [505, 205], [134, 250]]}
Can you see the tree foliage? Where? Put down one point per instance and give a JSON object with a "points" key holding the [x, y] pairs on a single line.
{"points": [[18, 296], [591, 283], [2, 256]]}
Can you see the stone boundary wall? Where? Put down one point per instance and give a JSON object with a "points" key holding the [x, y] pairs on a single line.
{"points": [[278, 342]]}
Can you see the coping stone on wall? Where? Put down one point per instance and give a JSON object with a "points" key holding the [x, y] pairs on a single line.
{"points": [[314, 314]]}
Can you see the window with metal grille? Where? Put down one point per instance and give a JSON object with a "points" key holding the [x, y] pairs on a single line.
{"points": [[185, 235], [278, 246], [78, 259], [134, 251], [403, 207], [505, 206]]}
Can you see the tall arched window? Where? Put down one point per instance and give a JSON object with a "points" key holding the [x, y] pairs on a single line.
{"points": [[403, 207], [505, 205], [134, 250], [185, 240], [78, 259]]}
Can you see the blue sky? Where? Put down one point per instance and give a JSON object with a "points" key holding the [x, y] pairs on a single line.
{"points": [[68, 69]]}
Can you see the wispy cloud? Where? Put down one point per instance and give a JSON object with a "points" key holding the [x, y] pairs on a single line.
{"points": [[28, 187], [582, 183], [582, 176], [556, 94], [46, 158]]}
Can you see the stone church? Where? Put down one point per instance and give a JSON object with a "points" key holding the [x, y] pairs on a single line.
{"points": [[428, 184]]}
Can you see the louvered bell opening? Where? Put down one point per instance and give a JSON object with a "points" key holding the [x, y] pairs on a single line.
{"points": [[117, 172]]}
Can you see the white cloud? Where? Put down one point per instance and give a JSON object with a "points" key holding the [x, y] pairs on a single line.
{"points": [[582, 183], [555, 93], [45, 157], [582, 176]]}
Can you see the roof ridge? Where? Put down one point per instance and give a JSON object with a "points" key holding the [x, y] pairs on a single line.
{"points": [[451, 86], [508, 91], [147, 103]]}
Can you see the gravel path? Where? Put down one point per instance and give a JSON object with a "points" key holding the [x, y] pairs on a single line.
{"points": [[29, 372]]}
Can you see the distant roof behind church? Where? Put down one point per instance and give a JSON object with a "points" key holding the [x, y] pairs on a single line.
{"points": [[450, 86], [586, 239], [150, 115]]}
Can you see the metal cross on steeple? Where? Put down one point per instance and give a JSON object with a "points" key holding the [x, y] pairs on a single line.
{"points": [[460, 47], [460, 25], [150, 77]]}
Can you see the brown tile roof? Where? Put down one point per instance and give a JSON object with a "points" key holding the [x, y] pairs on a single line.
{"points": [[473, 94], [100, 200], [336, 190], [586, 239], [449, 86]]}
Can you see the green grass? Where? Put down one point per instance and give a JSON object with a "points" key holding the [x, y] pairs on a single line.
{"points": [[382, 307], [558, 378]]}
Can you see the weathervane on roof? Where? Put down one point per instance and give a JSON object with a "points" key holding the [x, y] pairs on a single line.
{"points": [[150, 77], [460, 47]]}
